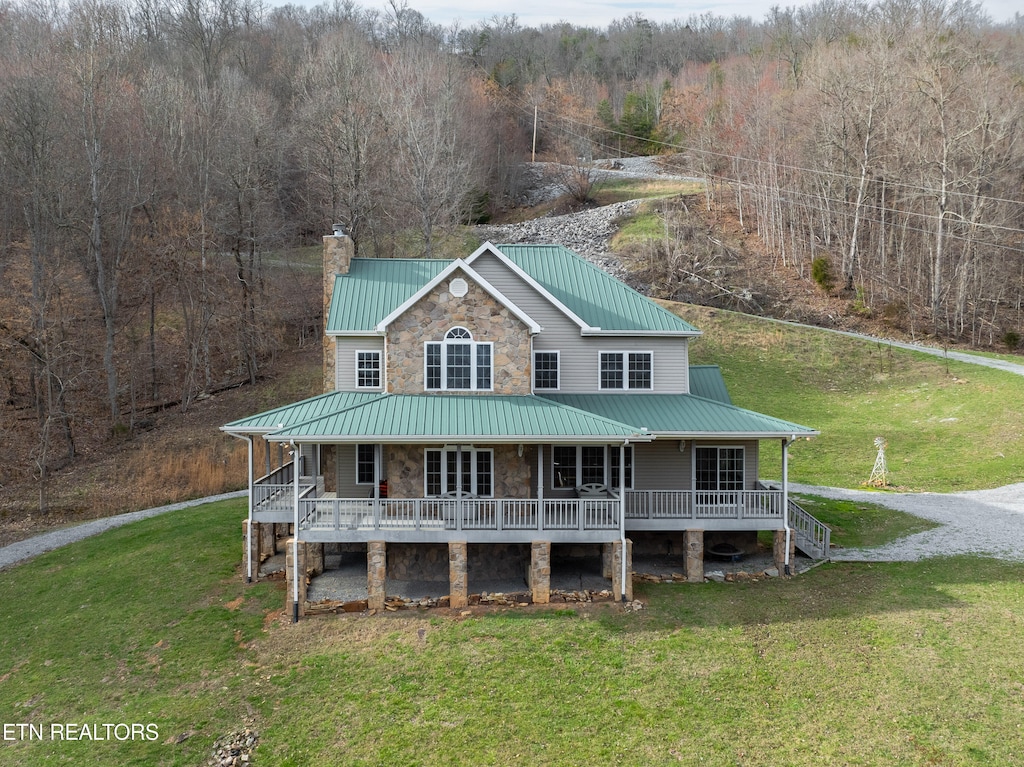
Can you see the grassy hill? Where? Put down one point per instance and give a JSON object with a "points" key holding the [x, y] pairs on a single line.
{"points": [[949, 425]]}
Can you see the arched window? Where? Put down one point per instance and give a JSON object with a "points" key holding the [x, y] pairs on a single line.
{"points": [[458, 363]]}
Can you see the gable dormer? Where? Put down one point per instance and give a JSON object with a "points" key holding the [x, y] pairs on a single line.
{"points": [[458, 334]]}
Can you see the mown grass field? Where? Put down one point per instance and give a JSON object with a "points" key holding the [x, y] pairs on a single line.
{"points": [[868, 664]]}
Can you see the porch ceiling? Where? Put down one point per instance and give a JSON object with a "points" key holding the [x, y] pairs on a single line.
{"points": [[684, 416], [437, 419]]}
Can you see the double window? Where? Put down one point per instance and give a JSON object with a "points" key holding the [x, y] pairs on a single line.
{"points": [[575, 465], [450, 470], [458, 363], [627, 370], [718, 469], [368, 370]]}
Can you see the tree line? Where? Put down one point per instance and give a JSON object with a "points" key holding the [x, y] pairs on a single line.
{"points": [[155, 157]]}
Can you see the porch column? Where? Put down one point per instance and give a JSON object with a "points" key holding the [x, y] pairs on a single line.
{"points": [[693, 542], [783, 541], [252, 532], [458, 574], [622, 571], [538, 577], [376, 574], [295, 578]]}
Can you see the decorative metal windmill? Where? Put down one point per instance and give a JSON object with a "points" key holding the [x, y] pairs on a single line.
{"points": [[879, 474]]}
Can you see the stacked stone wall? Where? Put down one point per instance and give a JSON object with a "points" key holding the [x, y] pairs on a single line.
{"points": [[405, 471], [437, 313]]}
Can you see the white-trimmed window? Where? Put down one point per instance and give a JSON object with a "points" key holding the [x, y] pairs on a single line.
{"points": [[718, 469], [368, 370], [627, 370], [366, 464], [575, 465], [545, 370], [445, 474], [458, 363]]}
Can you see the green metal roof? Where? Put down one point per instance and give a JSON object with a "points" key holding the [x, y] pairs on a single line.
{"points": [[439, 418], [682, 415], [375, 287], [590, 293], [298, 412], [706, 381]]}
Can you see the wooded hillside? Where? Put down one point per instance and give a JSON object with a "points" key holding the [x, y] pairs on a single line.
{"points": [[163, 164]]}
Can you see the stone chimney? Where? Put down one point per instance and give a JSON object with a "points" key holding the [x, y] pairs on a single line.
{"points": [[338, 251]]}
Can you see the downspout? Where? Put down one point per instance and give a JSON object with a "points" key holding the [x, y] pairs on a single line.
{"points": [[622, 513], [295, 537], [785, 499], [248, 527]]}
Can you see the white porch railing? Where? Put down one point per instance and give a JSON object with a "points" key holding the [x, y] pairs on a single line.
{"points": [[458, 514], [274, 494], [666, 505]]}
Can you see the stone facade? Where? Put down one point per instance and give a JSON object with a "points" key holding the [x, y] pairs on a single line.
{"points": [[405, 471], [437, 313], [329, 467]]}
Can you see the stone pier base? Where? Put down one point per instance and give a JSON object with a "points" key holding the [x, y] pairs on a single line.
{"points": [[458, 574], [376, 574], [779, 551], [621, 589], [290, 552], [693, 541], [538, 576], [252, 549]]}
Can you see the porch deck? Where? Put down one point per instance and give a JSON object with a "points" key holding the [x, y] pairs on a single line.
{"points": [[496, 520]]}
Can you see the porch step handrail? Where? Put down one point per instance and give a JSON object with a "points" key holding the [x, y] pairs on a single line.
{"points": [[812, 536]]}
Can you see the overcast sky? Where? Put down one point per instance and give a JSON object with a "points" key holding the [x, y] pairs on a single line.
{"points": [[599, 13]]}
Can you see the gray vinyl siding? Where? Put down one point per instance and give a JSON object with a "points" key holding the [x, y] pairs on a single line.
{"points": [[659, 465], [346, 474], [345, 360], [580, 355]]}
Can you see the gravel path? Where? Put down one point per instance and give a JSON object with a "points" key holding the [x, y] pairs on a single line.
{"points": [[22, 551], [987, 522]]}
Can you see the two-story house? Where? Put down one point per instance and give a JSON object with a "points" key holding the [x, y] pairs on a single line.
{"points": [[519, 397]]}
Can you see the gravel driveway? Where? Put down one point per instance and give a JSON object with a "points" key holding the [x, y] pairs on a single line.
{"points": [[987, 522], [24, 550]]}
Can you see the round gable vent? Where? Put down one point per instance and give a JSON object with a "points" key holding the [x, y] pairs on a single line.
{"points": [[458, 287]]}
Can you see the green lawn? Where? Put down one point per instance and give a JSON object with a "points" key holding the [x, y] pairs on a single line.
{"points": [[949, 425], [867, 664]]}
